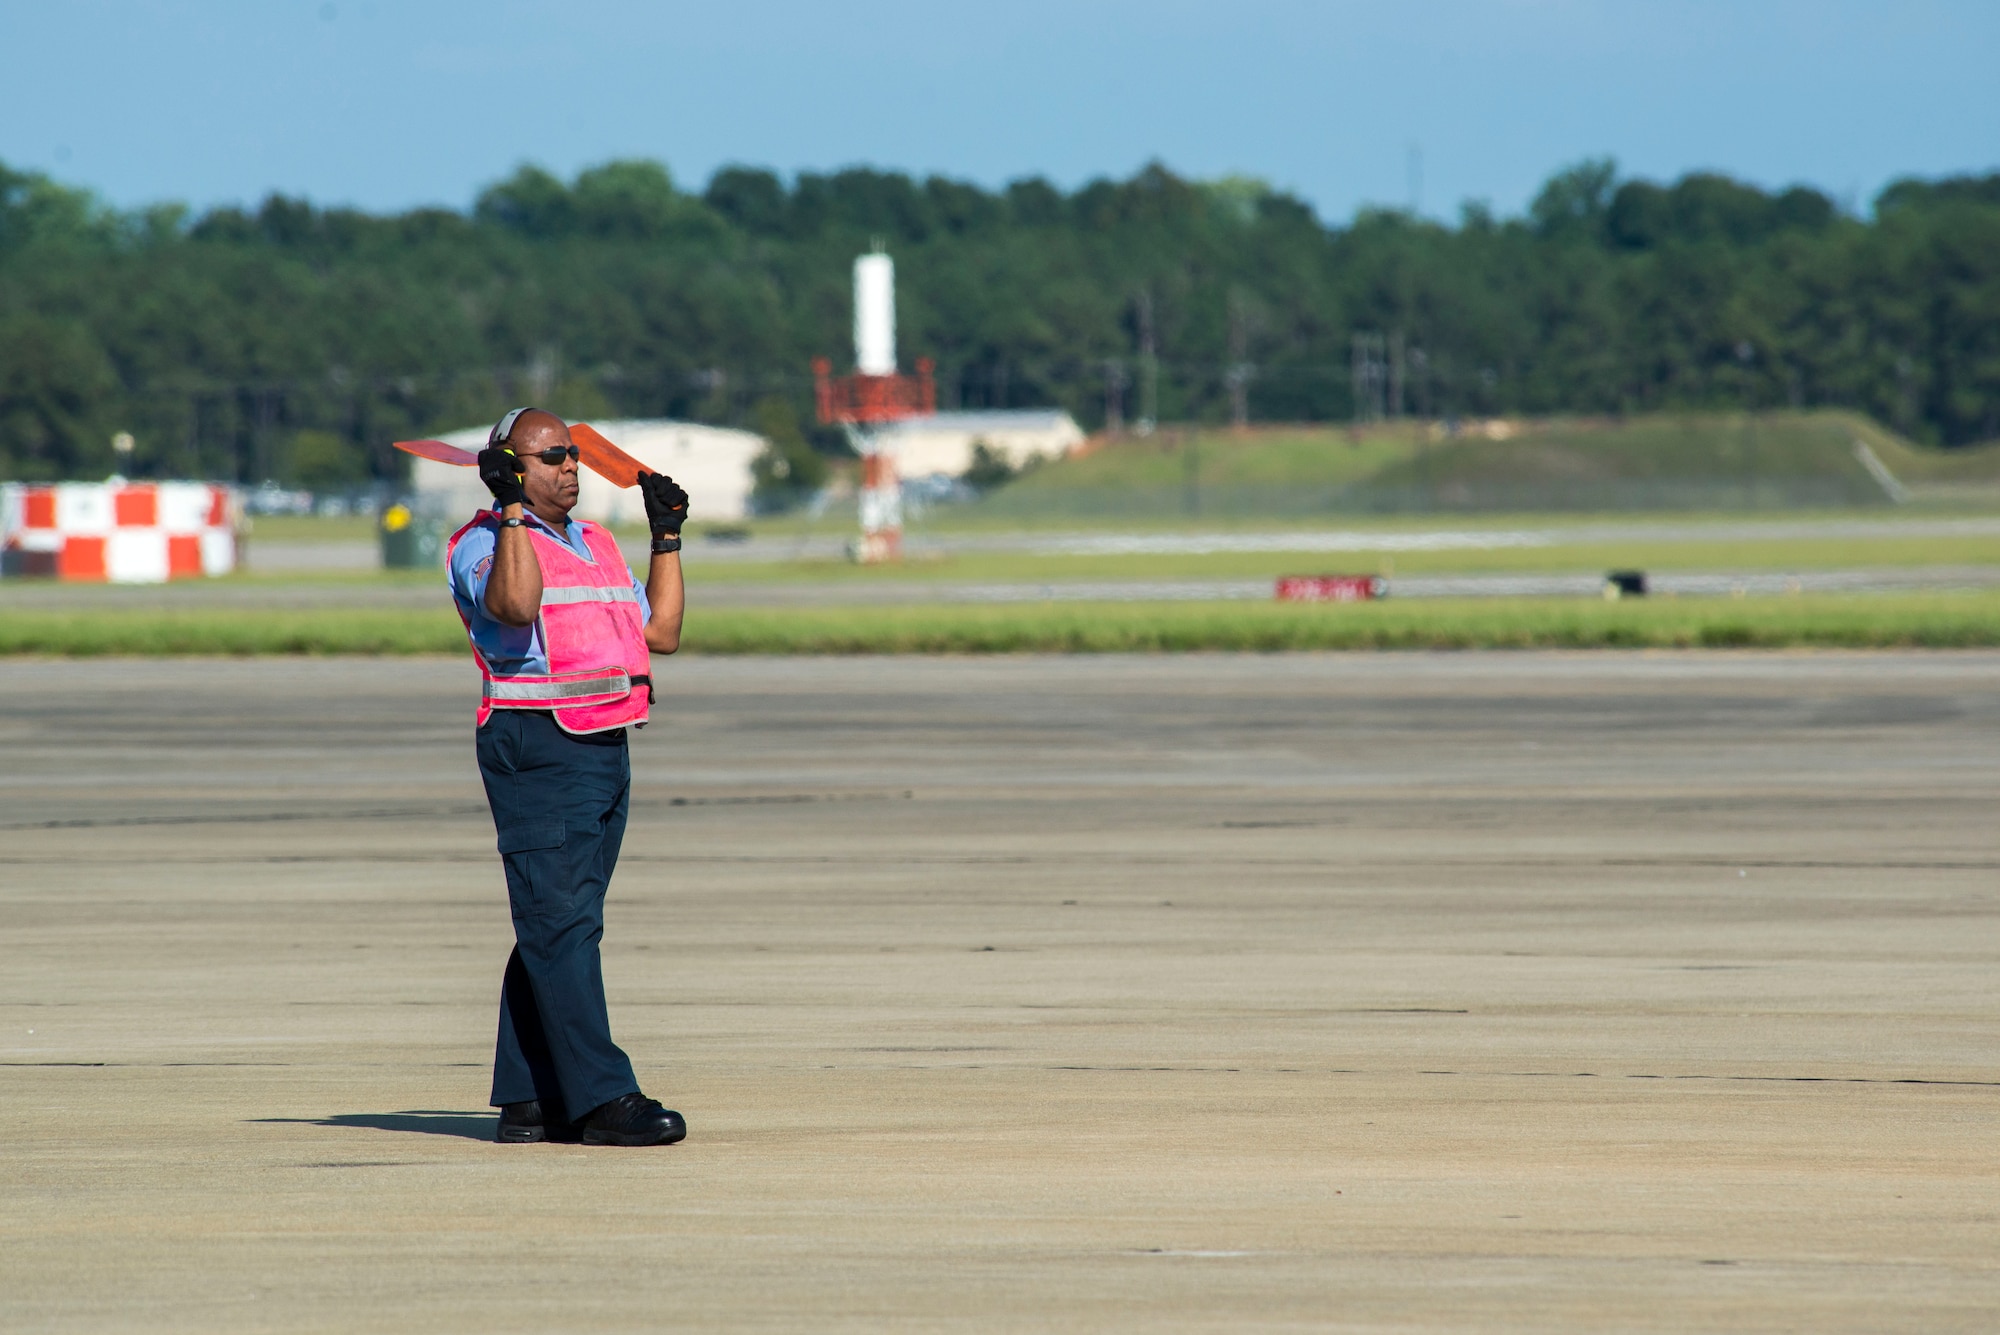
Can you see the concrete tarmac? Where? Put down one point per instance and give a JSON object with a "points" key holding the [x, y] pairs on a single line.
{"points": [[1500, 992], [50, 596]]}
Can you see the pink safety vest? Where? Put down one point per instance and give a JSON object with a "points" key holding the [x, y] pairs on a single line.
{"points": [[599, 674]]}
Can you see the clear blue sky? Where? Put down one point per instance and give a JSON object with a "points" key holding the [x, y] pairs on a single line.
{"points": [[388, 104]]}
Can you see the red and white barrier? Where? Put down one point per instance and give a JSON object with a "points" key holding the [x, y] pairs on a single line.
{"points": [[121, 532], [1331, 588]]}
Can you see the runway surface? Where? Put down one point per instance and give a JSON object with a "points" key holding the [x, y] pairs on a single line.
{"points": [[280, 555], [53, 597], [1510, 992]]}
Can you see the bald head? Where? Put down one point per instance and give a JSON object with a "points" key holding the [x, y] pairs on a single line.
{"points": [[531, 420]]}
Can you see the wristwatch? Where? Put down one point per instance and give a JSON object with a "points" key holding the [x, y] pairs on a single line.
{"points": [[512, 523], [661, 546]]}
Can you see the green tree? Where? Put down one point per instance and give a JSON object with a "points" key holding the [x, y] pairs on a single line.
{"points": [[788, 470], [321, 461], [989, 468], [217, 339], [55, 383], [1575, 201]]}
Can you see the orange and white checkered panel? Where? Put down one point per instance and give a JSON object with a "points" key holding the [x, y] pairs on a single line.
{"points": [[122, 532]]}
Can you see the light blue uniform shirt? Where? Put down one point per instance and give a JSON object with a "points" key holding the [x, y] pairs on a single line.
{"points": [[506, 648]]}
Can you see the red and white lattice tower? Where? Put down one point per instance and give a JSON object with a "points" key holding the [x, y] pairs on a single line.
{"points": [[118, 532], [875, 394]]}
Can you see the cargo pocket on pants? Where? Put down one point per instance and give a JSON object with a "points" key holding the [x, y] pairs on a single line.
{"points": [[537, 868]]}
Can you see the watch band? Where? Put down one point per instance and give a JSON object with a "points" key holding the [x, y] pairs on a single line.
{"points": [[661, 546], [512, 523]]}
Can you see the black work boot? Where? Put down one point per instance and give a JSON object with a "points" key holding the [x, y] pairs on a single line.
{"points": [[633, 1119], [524, 1124], [521, 1123]]}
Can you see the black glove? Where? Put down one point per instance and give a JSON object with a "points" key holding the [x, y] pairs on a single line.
{"points": [[666, 504], [500, 470]]}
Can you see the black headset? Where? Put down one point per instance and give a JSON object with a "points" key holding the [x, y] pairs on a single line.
{"points": [[504, 428]]}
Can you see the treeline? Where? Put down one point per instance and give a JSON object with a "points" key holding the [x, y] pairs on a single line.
{"points": [[295, 342]]}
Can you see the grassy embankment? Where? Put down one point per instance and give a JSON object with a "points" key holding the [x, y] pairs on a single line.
{"points": [[1943, 620], [1660, 461]]}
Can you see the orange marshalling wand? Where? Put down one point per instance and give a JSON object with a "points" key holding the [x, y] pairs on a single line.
{"points": [[603, 458], [438, 450], [599, 455]]}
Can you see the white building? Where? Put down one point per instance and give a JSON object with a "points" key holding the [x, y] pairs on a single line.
{"points": [[712, 462], [942, 443]]}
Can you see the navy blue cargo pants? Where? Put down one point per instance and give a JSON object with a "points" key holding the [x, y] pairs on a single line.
{"points": [[559, 806]]}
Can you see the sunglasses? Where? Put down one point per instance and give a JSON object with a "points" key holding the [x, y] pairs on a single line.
{"points": [[553, 458]]}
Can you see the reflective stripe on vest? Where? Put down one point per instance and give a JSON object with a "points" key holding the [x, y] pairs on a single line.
{"points": [[514, 689], [583, 593]]}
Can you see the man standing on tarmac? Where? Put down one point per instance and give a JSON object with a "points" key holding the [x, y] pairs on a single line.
{"points": [[562, 633]]}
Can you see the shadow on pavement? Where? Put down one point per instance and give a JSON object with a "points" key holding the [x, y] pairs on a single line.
{"points": [[421, 1121]]}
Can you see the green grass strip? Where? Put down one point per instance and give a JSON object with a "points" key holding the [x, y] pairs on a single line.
{"points": [[1871, 621], [229, 631], [1931, 620]]}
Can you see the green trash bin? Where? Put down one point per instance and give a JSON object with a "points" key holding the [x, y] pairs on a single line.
{"points": [[411, 539]]}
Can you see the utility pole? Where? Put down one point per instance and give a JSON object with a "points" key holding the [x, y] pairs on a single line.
{"points": [[1371, 377], [194, 435], [1396, 375], [1114, 396], [542, 373], [1149, 366], [1359, 362], [714, 382], [267, 412], [1237, 377]]}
